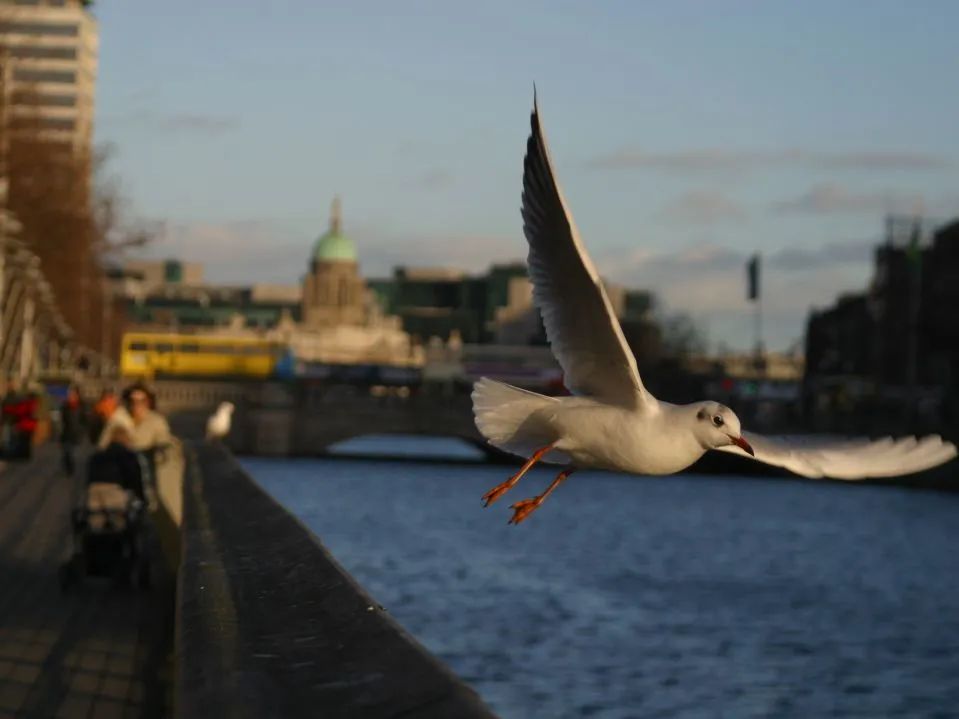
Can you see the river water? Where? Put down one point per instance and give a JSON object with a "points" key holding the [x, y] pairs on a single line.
{"points": [[623, 597]]}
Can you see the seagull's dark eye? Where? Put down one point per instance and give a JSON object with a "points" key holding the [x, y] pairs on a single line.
{"points": [[718, 421]]}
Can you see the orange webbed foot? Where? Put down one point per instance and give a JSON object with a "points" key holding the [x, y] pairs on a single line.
{"points": [[524, 508], [496, 492], [500, 489]]}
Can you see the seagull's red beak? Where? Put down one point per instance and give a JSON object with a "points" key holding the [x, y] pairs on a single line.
{"points": [[742, 444]]}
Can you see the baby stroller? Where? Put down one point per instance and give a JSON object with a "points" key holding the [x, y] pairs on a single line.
{"points": [[109, 532]]}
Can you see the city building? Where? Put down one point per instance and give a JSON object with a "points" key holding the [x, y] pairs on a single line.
{"points": [[437, 302], [840, 340], [901, 330], [332, 318], [140, 278], [940, 295], [185, 308], [334, 294], [891, 353], [337, 317], [49, 54], [493, 308], [343, 321], [173, 295]]}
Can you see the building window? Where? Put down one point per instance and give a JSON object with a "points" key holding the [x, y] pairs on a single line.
{"points": [[57, 123], [59, 76], [61, 145], [32, 52], [172, 271], [40, 28], [44, 99]]}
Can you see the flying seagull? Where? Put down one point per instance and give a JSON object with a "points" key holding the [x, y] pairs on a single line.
{"points": [[218, 424], [612, 421]]}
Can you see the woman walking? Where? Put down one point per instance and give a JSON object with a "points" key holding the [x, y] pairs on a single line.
{"points": [[72, 419]]}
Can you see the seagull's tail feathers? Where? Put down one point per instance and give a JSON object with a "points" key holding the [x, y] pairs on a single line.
{"points": [[509, 419]]}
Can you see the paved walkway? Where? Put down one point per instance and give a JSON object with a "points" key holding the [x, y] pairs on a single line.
{"points": [[96, 651]]}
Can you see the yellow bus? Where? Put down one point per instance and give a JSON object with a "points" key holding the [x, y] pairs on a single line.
{"points": [[151, 355]]}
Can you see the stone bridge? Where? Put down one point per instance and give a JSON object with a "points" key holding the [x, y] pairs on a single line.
{"points": [[306, 418]]}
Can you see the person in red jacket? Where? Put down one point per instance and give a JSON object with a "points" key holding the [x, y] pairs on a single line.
{"points": [[6, 415], [10, 411], [24, 415]]}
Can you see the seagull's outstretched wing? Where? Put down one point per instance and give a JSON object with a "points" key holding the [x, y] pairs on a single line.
{"points": [[849, 458], [580, 323]]}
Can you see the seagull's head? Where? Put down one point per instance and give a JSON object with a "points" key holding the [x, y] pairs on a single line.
{"points": [[226, 408], [718, 426]]}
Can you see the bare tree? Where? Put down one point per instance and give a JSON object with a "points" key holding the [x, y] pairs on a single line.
{"points": [[682, 336], [72, 216]]}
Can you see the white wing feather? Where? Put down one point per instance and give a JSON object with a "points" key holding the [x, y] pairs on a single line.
{"points": [[859, 458], [581, 326]]}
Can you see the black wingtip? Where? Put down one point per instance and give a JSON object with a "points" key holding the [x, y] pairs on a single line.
{"points": [[534, 119]]}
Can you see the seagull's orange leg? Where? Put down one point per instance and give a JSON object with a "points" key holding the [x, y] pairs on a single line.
{"points": [[526, 507], [500, 489]]}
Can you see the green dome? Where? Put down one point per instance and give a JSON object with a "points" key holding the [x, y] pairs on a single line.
{"points": [[334, 246]]}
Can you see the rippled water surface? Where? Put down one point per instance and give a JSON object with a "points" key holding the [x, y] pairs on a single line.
{"points": [[679, 597]]}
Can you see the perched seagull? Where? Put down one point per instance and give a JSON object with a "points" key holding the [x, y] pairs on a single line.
{"points": [[218, 425], [613, 422]]}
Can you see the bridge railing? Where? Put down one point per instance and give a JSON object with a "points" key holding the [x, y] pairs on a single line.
{"points": [[35, 339], [32, 329]]}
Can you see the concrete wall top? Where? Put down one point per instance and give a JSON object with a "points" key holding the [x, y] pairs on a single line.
{"points": [[269, 625]]}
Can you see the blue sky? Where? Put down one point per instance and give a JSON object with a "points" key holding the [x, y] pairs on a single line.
{"points": [[687, 135]]}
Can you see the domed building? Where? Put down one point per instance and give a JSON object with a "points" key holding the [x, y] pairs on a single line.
{"points": [[342, 321], [334, 294]]}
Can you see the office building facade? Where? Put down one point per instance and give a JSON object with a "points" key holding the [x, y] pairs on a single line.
{"points": [[49, 55]]}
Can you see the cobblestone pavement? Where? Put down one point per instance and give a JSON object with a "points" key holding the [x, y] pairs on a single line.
{"points": [[98, 650]]}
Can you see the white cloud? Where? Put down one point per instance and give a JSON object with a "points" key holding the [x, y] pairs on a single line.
{"points": [[708, 281], [236, 252], [272, 251], [829, 255], [833, 199], [703, 207], [718, 160]]}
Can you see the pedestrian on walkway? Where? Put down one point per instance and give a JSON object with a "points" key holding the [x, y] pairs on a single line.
{"points": [[20, 409], [10, 393], [148, 428], [149, 431], [102, 412], [72, 419]]}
